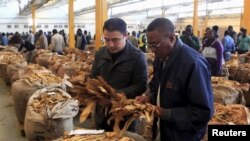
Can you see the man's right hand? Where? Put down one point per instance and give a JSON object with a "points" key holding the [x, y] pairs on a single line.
{"points": [[142, 99]]}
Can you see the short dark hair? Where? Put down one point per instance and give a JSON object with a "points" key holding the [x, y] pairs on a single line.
{"points": [[230, 27], [79, 30], [241, 29], [226, 33], [54, 31], [85, 31], [133, 33], [115, 24], [161, 24], [189, 26], [215, 28]]}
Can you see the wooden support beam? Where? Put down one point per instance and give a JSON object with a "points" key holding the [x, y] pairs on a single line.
{"points": [[195, 18], [33, 11], [246, 15], [101, 16], [71, 24]]}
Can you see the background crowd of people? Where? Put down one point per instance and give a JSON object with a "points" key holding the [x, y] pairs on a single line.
{"points": [[43, 39], [216, 49]]}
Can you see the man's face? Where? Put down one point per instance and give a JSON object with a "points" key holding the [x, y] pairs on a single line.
{"points": [[115, 41], [230, 29], [244, 33], [189, 31], [210, 34], [79, 32], [160, 43]]}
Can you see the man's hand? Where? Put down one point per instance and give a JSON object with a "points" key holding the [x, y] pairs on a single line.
{"points": [[158, 111], [121, 96], [142, 99]]}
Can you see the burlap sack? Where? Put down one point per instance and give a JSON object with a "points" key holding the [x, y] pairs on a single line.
{"points": [[230, 91], [69, 68], [12, 69], [55, 66], [227, 95], [56, 61], [233, 72], [42, 59], [50, 124], [26, 71], [3, 68], [3, 65], [241, 74], [7, 58], [234, 114], [21, 91]]}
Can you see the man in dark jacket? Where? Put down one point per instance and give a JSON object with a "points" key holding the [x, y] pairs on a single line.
{"points": [[181, 86], [190, 39], [28, 50], [80, 39], [122, 65]]}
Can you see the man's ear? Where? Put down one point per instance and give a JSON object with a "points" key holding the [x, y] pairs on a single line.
{"points": [[126, 35], [172, 39]]}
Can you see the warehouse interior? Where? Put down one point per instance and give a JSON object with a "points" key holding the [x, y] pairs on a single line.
{"points": [[18, 14], [24, 77]]}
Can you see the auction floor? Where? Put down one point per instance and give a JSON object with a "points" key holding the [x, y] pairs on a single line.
{"points": [[9, 130]]}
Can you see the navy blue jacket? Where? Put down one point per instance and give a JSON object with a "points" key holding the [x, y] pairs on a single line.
{"points": [[127, 74], [186, 94]]}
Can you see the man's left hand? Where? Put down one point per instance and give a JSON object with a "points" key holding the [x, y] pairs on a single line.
{"points": [[158, 111]]}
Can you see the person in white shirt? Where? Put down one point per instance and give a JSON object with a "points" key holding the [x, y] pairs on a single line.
{"points": [[57, 42], [31, 38]]}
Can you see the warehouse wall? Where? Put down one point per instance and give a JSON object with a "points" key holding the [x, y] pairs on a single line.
{"points": [[24, 24], [87, 22]]}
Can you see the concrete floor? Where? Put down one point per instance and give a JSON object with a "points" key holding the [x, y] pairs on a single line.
{"points": [[9, 130]]}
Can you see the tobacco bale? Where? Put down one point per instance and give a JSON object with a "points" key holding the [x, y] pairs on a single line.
{"points": [[56, 61], [49, 120], [22, 89], [227, 95], [42, 57], [241, 73], [13, 69], [27, 71], [230, 114], [15, 60]]}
